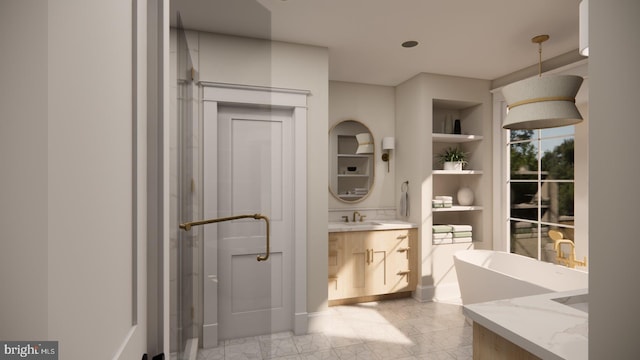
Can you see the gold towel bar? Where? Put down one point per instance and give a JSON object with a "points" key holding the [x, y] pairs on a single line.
{"points": [[187, 226]]}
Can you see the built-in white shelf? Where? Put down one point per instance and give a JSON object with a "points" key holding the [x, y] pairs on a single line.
{"points": [[458, 208], [455, 138], [351, 196], [353, 175], [354, 156], [457, 172]]}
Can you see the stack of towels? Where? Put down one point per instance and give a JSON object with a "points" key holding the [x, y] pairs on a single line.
{"points": [[360, 191], [442, 201], [452, 234]]}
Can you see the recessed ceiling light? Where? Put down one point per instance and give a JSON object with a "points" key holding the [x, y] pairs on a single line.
{"points": [[409, 44]]}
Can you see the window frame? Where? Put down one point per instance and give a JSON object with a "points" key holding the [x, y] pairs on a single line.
{"points": [[539, 180]]}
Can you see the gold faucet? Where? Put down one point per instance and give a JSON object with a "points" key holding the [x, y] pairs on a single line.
{"points": [[569, 261], [354, 216]]}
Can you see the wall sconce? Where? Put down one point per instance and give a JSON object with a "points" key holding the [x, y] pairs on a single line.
{"points": [[365, 143], [388, 144]]}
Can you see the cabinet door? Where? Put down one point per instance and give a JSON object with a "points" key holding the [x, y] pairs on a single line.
{"points": [[380, 252], [336, 262], [365, 265], [356, 263]]}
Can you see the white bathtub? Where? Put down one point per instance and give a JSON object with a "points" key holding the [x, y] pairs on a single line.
{"points": [[485, 275]]}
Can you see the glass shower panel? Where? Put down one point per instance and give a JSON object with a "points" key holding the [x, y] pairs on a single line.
{"points": [[186, 247]]}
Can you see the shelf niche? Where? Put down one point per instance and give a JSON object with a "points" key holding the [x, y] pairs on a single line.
{"points": [[447, 182]]}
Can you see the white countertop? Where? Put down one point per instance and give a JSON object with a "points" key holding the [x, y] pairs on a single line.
{"points": [[538, 324], [370, 225]]}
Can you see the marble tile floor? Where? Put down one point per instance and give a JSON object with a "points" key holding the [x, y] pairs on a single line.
{"points": [[394, 329]]}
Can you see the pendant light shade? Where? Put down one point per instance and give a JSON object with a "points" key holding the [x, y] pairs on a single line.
{"points": [[542, 102]]}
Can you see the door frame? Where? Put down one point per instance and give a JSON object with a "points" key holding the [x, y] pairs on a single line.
{"points": [[215, 95]]}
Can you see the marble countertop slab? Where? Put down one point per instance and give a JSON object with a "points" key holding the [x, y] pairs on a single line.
{"points": [[370, 225], [546, 328]]}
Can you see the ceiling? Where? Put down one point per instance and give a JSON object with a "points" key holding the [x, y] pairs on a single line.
{"points": [[484, 39]]}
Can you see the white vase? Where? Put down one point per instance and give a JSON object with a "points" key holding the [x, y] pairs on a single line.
{"points": [[453, 165], [465, 196]]}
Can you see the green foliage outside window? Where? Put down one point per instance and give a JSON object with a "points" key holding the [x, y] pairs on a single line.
{"points": [[557, 163]]}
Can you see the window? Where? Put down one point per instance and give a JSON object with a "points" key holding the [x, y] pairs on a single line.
{"points": [[540, 189]]}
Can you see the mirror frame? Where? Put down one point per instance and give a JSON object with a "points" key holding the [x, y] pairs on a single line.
{"points": [[333, 160]]}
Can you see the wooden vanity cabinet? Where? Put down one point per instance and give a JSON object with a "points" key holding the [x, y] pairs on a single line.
{"points": [[369, 263]]}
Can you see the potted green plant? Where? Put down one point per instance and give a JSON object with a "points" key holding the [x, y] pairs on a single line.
{"points": [[453, 158]]}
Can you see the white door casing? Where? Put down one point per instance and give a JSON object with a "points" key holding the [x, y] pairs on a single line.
{"points": [[255, 162]]}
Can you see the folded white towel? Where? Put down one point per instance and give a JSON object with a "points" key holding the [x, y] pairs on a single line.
{"points": [[441, 241], [460, 228], [444, 198], [447, 235], [462, 240]]}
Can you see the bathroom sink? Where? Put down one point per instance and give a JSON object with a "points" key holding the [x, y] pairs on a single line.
{"points": [[579, 302], [369, 225], [350, 225], [363, 223]]}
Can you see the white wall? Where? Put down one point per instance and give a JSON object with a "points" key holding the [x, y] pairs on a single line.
{"points": [[581, 175], [374, 106], [613, 179], [66, 195], [23, 179], [246, 61], [414, 120]]}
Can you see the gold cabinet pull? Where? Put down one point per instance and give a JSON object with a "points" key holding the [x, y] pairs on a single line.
{"points": [[369, 256], [404, 249], [405, 272]]}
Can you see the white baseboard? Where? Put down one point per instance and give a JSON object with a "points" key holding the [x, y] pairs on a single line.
{"points": [[210, 336], [301, 323]]}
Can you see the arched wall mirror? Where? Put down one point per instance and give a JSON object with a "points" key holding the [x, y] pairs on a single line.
{"points": [[351, 154]]}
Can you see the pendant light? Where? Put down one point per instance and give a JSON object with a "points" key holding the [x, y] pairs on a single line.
{"points": [[542, 102]]}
